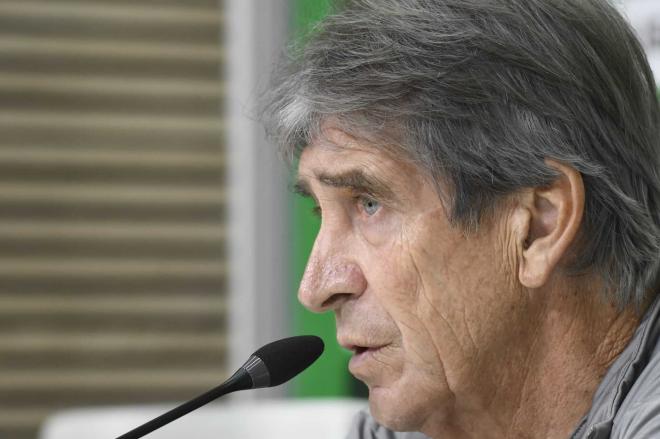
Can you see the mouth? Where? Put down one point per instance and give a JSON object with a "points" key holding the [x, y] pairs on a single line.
{"points": [[359, 349], [362, 357], [365, 351]]}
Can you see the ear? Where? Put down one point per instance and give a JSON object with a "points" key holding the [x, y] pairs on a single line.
{"points": [[553, 222]]}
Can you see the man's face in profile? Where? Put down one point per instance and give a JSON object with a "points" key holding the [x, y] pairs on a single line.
{"points": [[427, 310]]}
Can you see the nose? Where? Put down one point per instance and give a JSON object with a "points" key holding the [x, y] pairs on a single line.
{"points": [[332, 275]]}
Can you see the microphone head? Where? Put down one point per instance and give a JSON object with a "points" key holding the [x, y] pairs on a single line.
{"points": [[286, 358]]}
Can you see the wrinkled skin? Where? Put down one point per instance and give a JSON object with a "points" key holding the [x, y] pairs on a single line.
{"points": [[442, 306], [456, 335]]}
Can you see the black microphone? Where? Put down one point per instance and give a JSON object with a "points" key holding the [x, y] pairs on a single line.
{"points": [[271, 365]]}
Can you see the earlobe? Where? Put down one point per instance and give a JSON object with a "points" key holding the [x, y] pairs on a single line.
{"points": [[554, 222], [533, 269]]}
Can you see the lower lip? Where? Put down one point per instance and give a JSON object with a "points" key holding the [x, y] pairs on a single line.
{"points": [[361, 358]]}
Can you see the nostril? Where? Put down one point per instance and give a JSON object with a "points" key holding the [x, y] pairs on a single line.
{"points": [[334, 299]]}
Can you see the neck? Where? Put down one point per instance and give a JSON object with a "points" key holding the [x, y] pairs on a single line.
{"points": [[552, 374], [579, 339]]}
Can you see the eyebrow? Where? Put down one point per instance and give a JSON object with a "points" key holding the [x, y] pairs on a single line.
{"points": [[355, 179]]}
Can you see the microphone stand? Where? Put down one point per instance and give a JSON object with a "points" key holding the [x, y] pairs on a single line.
{"points": [[241, 380], [270, 365]]}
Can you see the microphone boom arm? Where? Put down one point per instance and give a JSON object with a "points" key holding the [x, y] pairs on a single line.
{"points": [[271, 365], [241, 380]]}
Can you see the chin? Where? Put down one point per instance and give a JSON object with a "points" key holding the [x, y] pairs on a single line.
{"points": [[398, 411]]}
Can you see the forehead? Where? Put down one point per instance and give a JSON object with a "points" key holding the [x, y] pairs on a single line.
{"points": [[336, 152]]}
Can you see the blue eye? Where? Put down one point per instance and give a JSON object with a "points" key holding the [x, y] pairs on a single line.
{"points": [[369, 205]]}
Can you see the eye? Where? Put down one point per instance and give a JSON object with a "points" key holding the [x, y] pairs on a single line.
{"points": [[369, 205]]}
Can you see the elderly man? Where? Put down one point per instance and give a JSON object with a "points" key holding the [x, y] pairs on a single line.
{"points": [[488, 177]]}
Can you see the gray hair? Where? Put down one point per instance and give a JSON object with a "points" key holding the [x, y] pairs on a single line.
{"points": [[479, 93]]}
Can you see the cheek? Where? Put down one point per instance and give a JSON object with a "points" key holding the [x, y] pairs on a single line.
{"points": [[391, 275], [464, 299], [398, 283], [407, 275], [381, 232]]}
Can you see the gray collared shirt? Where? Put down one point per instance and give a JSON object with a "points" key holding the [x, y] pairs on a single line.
{"points": [[626, 404]]}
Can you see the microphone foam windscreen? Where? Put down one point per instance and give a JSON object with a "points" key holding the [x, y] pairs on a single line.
{"points": [[288, 357]]}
